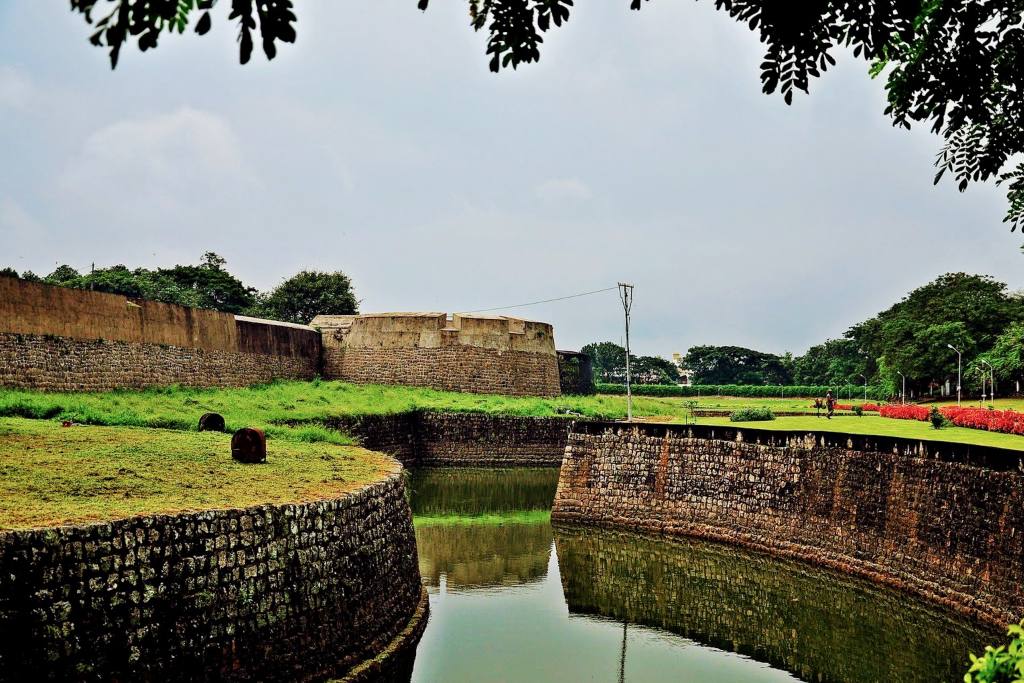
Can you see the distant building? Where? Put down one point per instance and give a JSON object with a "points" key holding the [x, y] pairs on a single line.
{"points": [[685, 374]]}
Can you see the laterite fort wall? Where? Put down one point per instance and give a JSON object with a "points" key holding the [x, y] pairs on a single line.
{"points": [[61, 339], [424, 438], [480, 354], [944, 521], [270, 593]]}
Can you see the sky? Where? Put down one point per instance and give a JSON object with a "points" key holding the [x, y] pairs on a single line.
{"points": [[640, 148]]}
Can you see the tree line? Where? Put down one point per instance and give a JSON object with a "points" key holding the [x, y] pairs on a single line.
{"points": [[975, 314], [210, 285]]}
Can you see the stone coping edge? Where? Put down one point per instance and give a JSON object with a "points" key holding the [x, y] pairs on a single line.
{"points": [[403, 643]]}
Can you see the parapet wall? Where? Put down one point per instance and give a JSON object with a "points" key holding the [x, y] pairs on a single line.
{"points": [[480, 354], [61, 339], [276, 592], [943, 521], [423, 438]]}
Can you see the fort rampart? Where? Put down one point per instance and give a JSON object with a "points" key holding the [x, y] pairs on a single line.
{"points": [[464, 352], [426, 438], [295, 592], [61, 339], [944, 521]]}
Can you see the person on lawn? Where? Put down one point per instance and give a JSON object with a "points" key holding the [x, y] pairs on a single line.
{"points": [[830, 404]]}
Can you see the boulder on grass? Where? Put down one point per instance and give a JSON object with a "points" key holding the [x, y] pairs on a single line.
{"points": [[212, 422], [249, 445]]}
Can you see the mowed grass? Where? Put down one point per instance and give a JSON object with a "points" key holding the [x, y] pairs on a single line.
{"points": [[51, 475], [881, 426], [292, 410]]}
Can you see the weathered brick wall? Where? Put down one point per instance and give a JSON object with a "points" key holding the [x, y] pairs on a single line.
{"points": [[277, 592], [477, 354], [462, 439], [944, 521], [65, 364], [56, 338]]}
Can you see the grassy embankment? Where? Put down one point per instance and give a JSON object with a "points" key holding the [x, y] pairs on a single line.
{"points": [[55, 475]]}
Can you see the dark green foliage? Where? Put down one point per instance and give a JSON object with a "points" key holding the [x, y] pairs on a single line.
{"points": [[744, 390], [833, 362], [736, 365], [967, 311], [8, 272], [310, 293], [858, 410], [937, 419], [608, 359], [751, 415], [1003, 664]]}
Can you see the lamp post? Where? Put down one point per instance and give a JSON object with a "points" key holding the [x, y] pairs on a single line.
{"points": [[991, 383], [959, 366], [903, 389], [865, 387]]}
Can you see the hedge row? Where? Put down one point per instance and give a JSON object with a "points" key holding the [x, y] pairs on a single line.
{"points": [[743, 390]]}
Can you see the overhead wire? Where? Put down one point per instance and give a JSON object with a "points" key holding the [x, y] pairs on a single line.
{"points": [[543, 301]]}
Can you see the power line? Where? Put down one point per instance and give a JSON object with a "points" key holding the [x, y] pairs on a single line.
{"points": [[544, 301]]}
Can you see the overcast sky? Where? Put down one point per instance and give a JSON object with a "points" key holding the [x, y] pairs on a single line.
{"points": [[640, 148]]}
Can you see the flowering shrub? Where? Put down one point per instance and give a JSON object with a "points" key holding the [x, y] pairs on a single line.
{"points": [[1005, 421], [904, 412]]}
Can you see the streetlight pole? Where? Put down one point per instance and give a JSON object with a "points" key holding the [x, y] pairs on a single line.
{"points": [[992, 382], [865, 387], [903, 390], [959, 366], [626, 295]]}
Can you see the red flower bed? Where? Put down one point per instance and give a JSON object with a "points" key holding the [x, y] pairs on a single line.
{"points": [[904, 412], [1005, 421], [870, 407]]}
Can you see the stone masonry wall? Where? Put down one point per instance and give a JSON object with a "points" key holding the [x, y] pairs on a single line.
{"points": [[277, 592], [481, 354], [462, 439], [64, 364], [945, 521], [55, 338]]}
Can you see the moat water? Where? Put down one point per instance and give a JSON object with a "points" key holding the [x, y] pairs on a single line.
{"points": [[514, 599]]}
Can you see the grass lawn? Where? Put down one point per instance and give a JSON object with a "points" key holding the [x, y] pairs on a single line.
{"points": [[53, 475], [882, 426], [269, 406]]}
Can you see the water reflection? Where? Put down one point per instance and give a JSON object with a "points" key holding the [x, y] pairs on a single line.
{"points": [[817, 624], [512, 600]]}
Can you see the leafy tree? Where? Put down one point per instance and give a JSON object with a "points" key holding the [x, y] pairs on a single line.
{"points": [[62, 275], [7, 271], [653, 370], [735, 365], [833, 362], [953, 64], [305, 295], [1007, 354], [967, 311], [608, 360], [214, 287]]}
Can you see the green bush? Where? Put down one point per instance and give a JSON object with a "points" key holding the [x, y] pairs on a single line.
{"points": [[744, 390], [1003, 664], [858, 411], [937, 419], [751, 415]]}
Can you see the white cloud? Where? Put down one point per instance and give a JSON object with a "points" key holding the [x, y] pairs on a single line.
{"points": [[156, 163], [15, 88], [563, 189]]}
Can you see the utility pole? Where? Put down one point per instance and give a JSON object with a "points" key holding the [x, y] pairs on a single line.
{"points": [[626, 296], [903, 391], [865, 387], [991, 384], [959, 366]]}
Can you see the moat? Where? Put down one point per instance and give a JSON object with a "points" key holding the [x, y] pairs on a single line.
{"points": [[512, 599]]}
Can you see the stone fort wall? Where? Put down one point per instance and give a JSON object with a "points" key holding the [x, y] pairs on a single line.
{"points": [[481, 354], [944, 521], [61, 339], [294, 592]]}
